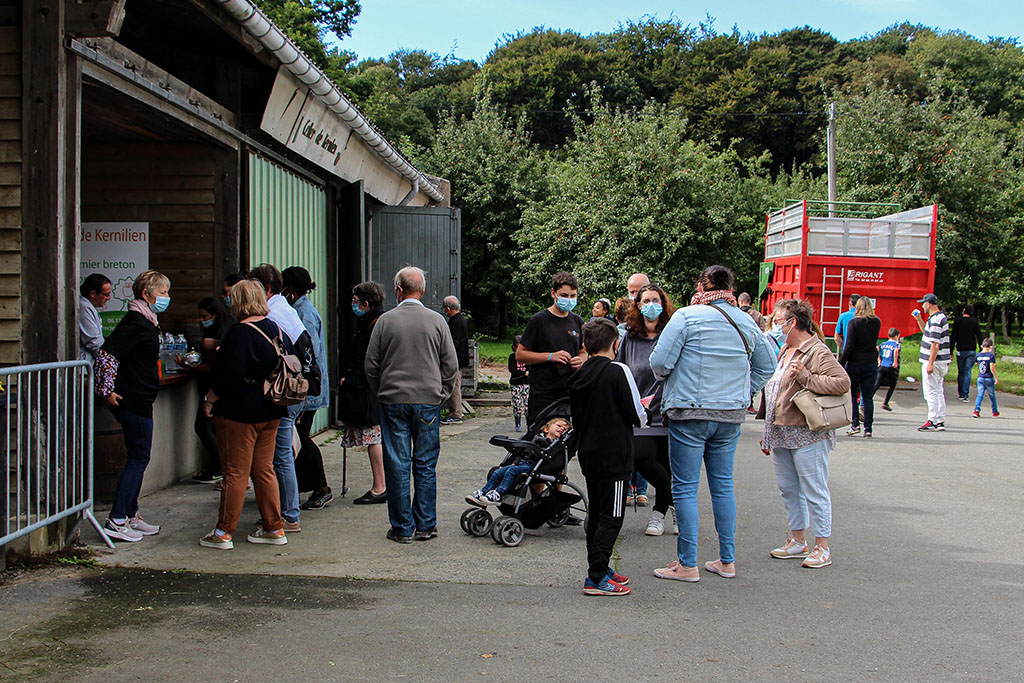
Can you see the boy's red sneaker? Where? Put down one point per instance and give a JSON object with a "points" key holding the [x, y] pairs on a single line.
{"points": [[995, 414], [976, 414], [606, 587], [615, 577]]}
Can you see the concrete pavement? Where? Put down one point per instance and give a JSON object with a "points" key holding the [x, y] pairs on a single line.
{"points": [[927, 583]]}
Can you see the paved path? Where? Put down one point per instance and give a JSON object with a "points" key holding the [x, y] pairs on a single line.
{"points": [[928, 583]]}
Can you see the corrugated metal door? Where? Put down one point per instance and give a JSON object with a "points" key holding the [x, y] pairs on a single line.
{"points": [[427, 237], [288, 227]]}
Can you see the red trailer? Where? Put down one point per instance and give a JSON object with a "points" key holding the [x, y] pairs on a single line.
{"points": [[822, 253]]}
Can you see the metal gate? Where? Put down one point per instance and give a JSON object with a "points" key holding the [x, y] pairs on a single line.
{"points": [[427, 237]]}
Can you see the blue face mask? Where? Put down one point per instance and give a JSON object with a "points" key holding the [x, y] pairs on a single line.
{"points": [[651, 310], [162, 302], [565, 303], [206, 323], [358, 311], [227, 300]]}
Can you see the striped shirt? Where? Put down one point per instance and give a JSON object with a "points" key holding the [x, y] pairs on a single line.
{"points": [[936, 331]]}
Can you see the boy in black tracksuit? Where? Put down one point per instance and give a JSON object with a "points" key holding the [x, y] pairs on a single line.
{"points": [[605, 407]]}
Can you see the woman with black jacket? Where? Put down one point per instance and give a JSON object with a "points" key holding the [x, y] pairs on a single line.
{"points": [[128, 380], [860, 358], [245, 421], [357, 404]]}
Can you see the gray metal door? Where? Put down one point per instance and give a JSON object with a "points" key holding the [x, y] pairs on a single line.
{"points": [[427, 237]]}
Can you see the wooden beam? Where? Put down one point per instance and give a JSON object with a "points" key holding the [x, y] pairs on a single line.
{"points": [[235, 30], [93, 18]]}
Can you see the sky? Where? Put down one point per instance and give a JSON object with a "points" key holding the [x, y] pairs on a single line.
{"points": [[469, 29]]}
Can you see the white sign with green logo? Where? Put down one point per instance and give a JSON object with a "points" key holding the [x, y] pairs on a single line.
{"points": [[121, 252]]}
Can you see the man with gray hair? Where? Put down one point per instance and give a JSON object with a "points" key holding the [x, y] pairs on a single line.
{"points": [[412, 367], [460, 337]]}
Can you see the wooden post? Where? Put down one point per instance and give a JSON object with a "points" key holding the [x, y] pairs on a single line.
{"points": [[45, 113]]}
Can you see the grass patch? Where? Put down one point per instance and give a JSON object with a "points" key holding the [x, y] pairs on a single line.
{"points": [[1011, 375], [494, 351]]}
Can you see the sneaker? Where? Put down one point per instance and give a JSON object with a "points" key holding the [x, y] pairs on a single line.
{"points": [[853, 430], [995, 414], [476, 498], [656, 525], [212, 540], [867, 435], [819, 557], [641, 500], [616, 577], [885, 406], [207, 478], [451, 420], [142, 526], [790, 550], [928, 427], [491, 498], [425, 535], [261, 535], [318, 501], [726, 571], [677, 572], [976, 414], [630, 499], [122, 532], [606, 587], [940, 426], [288, 527], [393, 535]]}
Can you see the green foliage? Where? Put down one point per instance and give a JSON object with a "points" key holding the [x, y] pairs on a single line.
{"points": [[310, 22]]}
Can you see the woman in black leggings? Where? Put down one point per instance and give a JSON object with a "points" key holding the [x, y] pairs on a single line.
{"points": [[645, 320]]}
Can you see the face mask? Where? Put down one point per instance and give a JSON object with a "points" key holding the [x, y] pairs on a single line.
{"points": [[162, 302], [358, 311], [785, 335], [777, 328], [565, 304], [227, 300], [651, 311], [207, 323], [632, 297]]}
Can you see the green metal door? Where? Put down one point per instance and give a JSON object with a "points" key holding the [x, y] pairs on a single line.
{"points": [[288, 227]]}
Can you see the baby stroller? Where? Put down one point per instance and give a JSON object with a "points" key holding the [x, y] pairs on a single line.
{"points": [[521, 507]]}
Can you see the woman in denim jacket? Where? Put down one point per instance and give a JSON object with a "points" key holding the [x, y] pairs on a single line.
{"points": [[713, 357], [309, 465]]}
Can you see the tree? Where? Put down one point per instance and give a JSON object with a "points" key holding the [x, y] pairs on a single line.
{"points": [[310, 22]]}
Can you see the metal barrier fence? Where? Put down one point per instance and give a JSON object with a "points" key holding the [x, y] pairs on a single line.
{"points": [[46, 426]]}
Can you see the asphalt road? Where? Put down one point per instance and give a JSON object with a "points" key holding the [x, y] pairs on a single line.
{"points": [[927, 583]]}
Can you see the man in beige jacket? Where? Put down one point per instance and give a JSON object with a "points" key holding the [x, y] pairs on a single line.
{"points": [[412, 366]]}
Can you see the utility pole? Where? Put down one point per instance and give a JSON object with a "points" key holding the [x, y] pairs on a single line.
{"points": [[831, 144]]}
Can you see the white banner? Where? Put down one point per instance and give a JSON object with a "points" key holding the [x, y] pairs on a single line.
{"points": [[121, 252]]}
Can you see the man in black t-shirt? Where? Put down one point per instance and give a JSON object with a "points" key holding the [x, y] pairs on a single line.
{"points": [[965, 337], [552, 346]]}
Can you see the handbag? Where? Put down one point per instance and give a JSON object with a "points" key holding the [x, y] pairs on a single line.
{"points": [[824, 411], [357, 405]]}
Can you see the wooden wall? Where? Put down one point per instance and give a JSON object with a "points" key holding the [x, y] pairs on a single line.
{"points": [[172, 186], [10, 183]]}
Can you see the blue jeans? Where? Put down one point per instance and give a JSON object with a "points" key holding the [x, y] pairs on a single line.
{"points": [[986, 385], [690, 443], [503, 477], [964, 365], [802, 476], [639, 483], [410, 435], [862, 382], [138, 442], [284, 465]]}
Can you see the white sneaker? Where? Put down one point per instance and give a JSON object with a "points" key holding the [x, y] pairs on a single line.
{"points": [[656, 525], [792, 549], [818, 558], [142, 526], [675, 521], [121, 532], [491, 498]]}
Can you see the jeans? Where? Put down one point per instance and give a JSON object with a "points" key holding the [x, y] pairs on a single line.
{"points": [[934, 394], [639, 483], [411, 438], [503, 477], [138, 442], [692, 442], [802, 476], [987, 385], [862, 381], [964, 365], [284, 465]]}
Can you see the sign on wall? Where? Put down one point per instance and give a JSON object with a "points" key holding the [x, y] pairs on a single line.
{"points": [[121, 252]]}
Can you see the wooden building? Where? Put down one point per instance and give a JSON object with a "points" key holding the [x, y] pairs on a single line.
{"points": [[194, 138]]}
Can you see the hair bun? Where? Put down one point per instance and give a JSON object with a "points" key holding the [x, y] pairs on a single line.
{"points": [[312, 286]]}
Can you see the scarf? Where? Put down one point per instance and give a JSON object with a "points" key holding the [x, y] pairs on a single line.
{"points": [[142, 308], [714, 295]]}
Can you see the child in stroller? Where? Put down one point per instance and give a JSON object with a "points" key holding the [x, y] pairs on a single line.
{"points": [[502, 478]]}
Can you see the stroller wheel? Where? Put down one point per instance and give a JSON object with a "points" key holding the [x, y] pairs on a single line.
{"points": [[559, 520], [464, 519], [477, 522], [496, 528], [510, 533]]}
